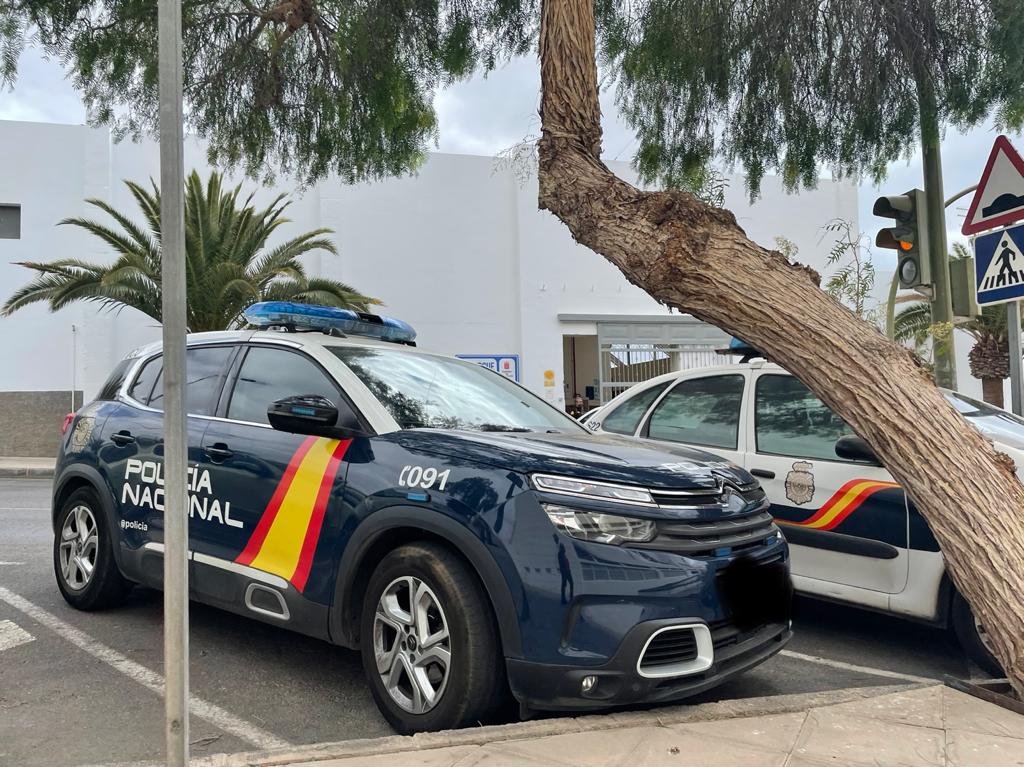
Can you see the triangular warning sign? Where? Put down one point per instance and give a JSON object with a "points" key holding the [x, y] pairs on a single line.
{"points": [[1006, 269], [1000, 197]]}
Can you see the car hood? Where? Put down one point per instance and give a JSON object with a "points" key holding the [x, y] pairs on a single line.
{"points": [[601, 457]]}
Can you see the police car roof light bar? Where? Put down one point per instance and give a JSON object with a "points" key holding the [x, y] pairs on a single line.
{"points": [[328, 319], [741, 348]]}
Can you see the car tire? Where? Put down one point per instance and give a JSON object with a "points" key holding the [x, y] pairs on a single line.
{"points": [[83, 554], [402, 655], [969, 634]]}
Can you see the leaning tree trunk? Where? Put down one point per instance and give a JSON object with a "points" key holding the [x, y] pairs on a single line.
{"points": [[695, 258]]}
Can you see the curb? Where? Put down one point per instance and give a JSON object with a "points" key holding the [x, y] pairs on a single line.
{"points": [[479, 736], [26, 472]]}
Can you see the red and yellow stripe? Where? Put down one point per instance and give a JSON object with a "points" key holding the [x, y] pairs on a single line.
{"points": [[285, 538], [842, 504]]}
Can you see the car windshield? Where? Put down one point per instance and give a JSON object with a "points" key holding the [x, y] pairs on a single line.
{"points": [[996, 424], [423, 391]]}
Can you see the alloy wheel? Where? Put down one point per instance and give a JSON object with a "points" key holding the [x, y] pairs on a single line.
{"points": [[411, 644], [79, 547]]}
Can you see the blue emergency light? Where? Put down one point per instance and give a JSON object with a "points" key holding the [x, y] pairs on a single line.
{"points": [[739, 348], [298, 317]]}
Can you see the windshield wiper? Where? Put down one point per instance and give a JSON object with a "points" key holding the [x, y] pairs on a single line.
{"points": [[501, 427]]}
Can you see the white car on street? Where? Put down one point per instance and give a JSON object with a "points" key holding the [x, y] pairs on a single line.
{"points": [[854, 535]]}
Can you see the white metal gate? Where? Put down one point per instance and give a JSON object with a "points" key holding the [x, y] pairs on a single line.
{"points": [[631, 352]]}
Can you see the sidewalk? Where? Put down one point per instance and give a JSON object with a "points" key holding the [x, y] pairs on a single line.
{"points": [[26, 467], [906, 726]]}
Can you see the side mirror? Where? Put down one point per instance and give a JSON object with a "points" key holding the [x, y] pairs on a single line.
{"points": [[312, 414], [853, 448]]}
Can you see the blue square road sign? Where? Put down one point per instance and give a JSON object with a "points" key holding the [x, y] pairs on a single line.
{"points": [[999, 266]]}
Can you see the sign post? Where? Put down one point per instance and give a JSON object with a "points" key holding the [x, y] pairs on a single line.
{"points": [[999, 255], [172, 225]]}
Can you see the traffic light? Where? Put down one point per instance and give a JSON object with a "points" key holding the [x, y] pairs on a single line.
{"points": [[909, 237]]}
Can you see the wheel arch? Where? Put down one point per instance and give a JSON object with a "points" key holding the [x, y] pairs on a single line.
{"points": [[388, 528]]}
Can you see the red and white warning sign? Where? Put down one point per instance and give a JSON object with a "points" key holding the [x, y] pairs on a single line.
{"points": [[999, 199]]}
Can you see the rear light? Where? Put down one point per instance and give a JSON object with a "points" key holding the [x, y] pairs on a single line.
{"points": [[67, 422]]}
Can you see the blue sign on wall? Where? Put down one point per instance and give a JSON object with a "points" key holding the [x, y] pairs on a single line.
{"points": [[506, 364], [999, 266]]}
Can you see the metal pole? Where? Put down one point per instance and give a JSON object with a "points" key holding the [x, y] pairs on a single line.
{"points": [[74, 366], [1016, 365], [941, 299], [172, 226]]}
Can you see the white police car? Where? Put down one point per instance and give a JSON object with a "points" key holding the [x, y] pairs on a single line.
{"points": [[854, 535]]}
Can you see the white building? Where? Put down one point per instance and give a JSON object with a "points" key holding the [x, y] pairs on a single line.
{"points": [[460, 251]]}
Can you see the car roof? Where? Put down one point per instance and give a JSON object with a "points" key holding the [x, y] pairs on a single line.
{"points": [[296, 340]]}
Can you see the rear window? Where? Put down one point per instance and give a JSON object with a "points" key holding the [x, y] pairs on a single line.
{"points": [[115, 380]]}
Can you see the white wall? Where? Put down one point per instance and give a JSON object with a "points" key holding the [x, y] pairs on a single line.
{"points": [[460, 251]]}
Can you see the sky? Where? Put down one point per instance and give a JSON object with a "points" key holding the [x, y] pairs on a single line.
{"points": [[485, 115]]}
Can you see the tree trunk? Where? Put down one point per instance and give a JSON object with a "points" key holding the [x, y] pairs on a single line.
{"points": [[695, 258], [992, 391]]}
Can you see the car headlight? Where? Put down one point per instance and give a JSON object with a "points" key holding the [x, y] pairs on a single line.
{"points": [[583, 488], [599, 527]]}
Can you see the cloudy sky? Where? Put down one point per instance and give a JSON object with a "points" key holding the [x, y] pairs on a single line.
{"points": [[488, 114]]}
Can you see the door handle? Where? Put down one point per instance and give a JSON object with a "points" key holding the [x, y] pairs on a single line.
{"points": [[218, 452], [763, 473], [123, 437]]}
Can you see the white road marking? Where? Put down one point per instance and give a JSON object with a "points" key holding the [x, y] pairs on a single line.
{"points": [[12, 635], [862, 669], [11, 563], [151, 680]]}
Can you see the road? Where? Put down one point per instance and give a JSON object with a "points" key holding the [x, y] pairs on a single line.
{"points": [[78, 688]]}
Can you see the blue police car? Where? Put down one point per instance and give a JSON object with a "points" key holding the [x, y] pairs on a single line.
{"points": [[469, 539]]}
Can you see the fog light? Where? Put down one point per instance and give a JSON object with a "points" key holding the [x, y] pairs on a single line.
{"points": [[588, 684]]}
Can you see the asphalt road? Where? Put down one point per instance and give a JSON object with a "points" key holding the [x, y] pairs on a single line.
{"points": [[73, 685]]}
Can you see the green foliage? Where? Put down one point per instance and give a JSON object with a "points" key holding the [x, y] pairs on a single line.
{"points": [[308, 87], [854, 278], [791, 85], [228, 264]]}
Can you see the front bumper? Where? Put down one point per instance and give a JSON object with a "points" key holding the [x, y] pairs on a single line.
{"points": [[550, 687]]}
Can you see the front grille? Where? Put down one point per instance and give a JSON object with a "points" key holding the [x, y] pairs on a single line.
{"points": [[723, 522], [669, 648]]}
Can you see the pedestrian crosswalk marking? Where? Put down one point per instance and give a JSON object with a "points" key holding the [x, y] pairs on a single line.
{"points": [[12, 635], [1006, 268]]}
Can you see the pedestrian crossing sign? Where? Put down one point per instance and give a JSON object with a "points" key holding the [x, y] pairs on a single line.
{"points": [[999, 266]]}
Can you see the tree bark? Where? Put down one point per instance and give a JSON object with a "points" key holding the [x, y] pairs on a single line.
{"points": [[695, 258], [992, 391]]}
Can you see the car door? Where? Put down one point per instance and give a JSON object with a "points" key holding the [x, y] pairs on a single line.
{"points": [[846, 522], [134, 455], [701, 411], [273, 487]]}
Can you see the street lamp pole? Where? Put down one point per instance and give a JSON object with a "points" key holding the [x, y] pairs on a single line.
{"points": [[172, 225]]}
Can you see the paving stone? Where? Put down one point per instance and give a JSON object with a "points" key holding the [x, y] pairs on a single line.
{"points": [[922, 708], [771, 733], [965, 712], [973, 749], [846, 739], [438, 757], [579, 749]]}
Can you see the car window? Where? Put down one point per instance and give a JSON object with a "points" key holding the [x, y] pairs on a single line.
{"points": [[113, 383], [430, 392], [268, 375], [142, 386], [626, 417], [204, 370], [789, 420], [701, 411]]}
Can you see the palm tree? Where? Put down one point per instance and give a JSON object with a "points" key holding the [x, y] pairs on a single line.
{"points": [[228, 263], [989, 358]]}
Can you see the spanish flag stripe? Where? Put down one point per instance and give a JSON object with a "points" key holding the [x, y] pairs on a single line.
{"points": [[279, 553], [849, 503], [270, 513], [843, 502], [316, 521], [836, 497]]}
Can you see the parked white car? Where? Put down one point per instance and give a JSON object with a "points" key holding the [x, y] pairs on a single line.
{"points": [[854, 535]]}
